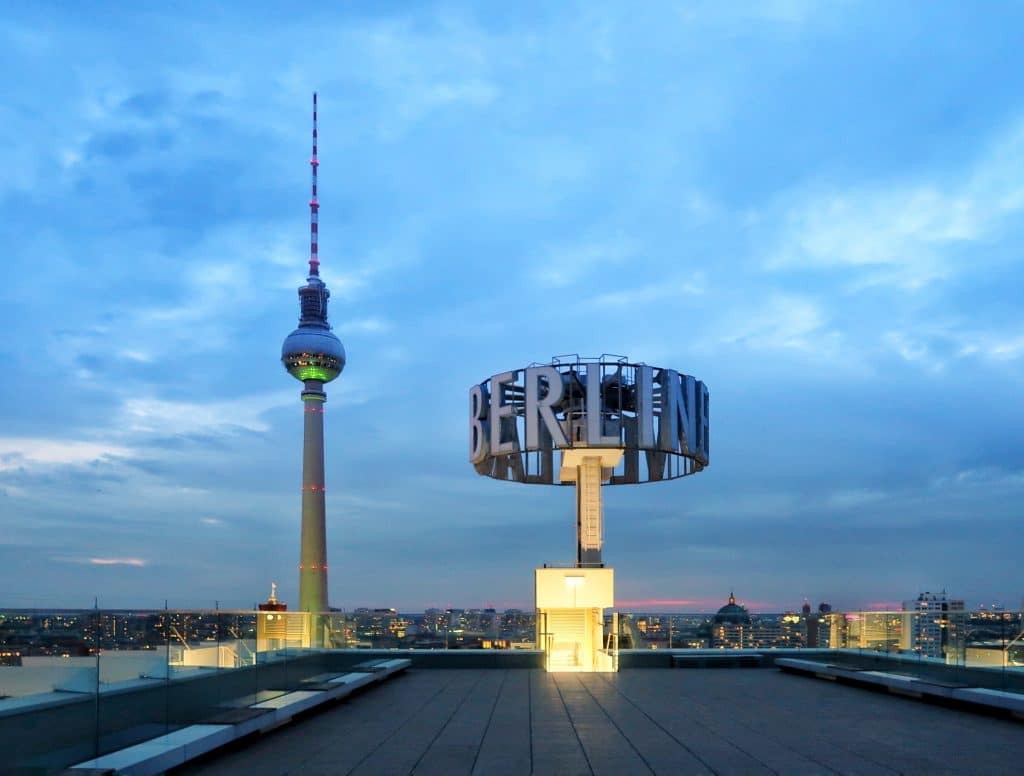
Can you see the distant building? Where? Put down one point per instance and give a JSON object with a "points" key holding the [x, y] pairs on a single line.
{"points": [[731, 627], [271, 629], [518, 627], [434, 621], [932, 625], [810, 626], [272, 604], [877, 631], [792, 632]]}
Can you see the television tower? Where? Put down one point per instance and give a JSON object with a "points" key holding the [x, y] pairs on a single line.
{"points": [[315, 356]]}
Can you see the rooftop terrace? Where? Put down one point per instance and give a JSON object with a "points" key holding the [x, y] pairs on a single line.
{"points": [[145, 691], [496, 721]]}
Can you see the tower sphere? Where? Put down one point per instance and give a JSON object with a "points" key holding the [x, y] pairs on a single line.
{"points": [[313, 353]]}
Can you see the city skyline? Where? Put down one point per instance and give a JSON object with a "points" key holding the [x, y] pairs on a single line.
{"points": [[816, 209]]}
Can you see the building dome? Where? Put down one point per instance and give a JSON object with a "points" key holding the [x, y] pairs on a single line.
{"points": [[732, 613], [313, 353]]}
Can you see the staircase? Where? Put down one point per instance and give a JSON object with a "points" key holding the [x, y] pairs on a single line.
{"points": [[568, 629]]}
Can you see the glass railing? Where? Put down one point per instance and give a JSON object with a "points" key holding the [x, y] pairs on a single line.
{"points": [[976, 648], [976, 638], [983, 648], [76, 684], [73, 650]]}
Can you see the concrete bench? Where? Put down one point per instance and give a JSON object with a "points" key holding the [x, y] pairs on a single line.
{"points": [[288, 705], [894, 683], [173, 749], [1000, 699], [383, 668], [799, 665], [343, 685], [368, 666], [159, 754], [821, 670], [911, 686], [389, 667]]}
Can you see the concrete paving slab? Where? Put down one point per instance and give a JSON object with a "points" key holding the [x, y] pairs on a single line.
{"points": [[505, 748]]}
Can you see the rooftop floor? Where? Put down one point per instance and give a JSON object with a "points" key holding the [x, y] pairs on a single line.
{"points": [[638, 721]]}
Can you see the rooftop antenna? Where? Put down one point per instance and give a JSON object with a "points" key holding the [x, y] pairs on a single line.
{"points": [[314, 207]]}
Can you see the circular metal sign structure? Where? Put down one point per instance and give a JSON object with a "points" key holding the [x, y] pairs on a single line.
{"points": [[523, 421]]}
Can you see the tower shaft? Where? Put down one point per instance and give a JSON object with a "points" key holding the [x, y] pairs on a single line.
{"points": [[589, 467], [589, 530], [313, 553]]}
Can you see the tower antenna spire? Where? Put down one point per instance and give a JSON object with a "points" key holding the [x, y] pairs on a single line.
{"points": [[314, 206]]}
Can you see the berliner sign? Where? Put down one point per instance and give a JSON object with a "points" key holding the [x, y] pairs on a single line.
{"points": [[522, 419]]}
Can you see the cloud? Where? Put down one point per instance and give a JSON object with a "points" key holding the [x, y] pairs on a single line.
{"points": [[652, 292], [787, 12], [38, 452], [367, 326], [571, 264], [474, 92], [911, 348], [163, 416], [934, 346], [747, 504], [994, 346], [138, 562], [781, 321], [980, 479], [419, 71], [900, 232], [853, 499], [138, 356], [1001, 349], [101, 561]]}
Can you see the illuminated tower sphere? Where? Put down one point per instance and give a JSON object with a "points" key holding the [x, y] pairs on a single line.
{"points": [[315, 356]]}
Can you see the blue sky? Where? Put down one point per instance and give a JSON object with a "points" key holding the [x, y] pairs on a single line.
{"points": [[816, 208]]}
